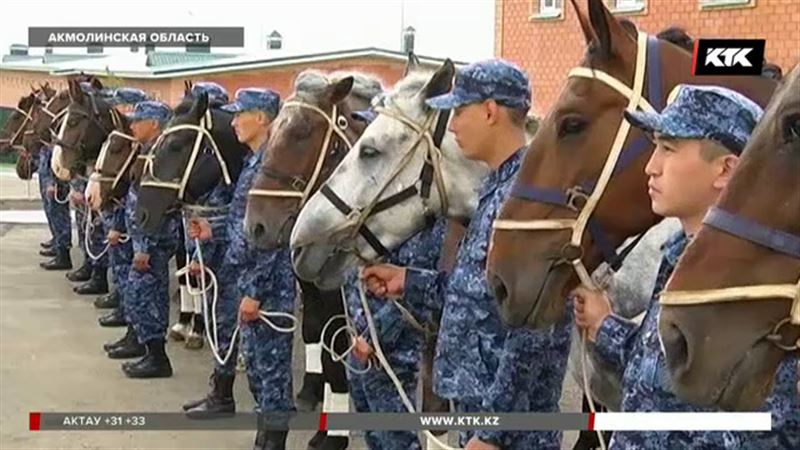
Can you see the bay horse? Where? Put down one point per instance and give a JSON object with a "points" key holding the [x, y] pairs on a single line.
{"points": [[117, 164], [584, 170], [731, 311], [194, 153]]}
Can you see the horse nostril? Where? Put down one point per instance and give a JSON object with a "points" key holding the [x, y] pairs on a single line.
{"points": [[675, 346], [142, 217], [500, 291], [258, 231]]}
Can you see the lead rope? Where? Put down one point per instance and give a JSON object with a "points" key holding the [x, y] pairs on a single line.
{"points": [[351, 330], [388, 368], [89, 229], [213, 339]]}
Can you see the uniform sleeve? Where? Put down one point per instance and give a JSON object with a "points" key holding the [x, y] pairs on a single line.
{"points": [[388, 321], [615, 340], [425, 287], [257, 279], [140, 245]]}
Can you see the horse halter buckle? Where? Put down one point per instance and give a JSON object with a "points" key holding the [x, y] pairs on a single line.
{"points": [[777, 338], [577, 198]]}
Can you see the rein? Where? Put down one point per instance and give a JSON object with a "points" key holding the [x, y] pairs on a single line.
{"points": [[761, 235]]}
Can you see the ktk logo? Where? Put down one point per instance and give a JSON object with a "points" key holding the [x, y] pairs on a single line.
{"points": [[728, 56]]}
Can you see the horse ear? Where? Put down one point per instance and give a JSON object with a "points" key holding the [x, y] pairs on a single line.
{"points": [[588, 34], [340, 89], [608, 31], [412, 64], [441, 81], [75, 93], [199, 106], [97, 84]]}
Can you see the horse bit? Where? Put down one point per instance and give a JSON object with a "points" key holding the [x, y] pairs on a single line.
{"points": [[761, 235]]}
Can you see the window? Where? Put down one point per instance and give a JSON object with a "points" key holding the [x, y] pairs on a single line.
{"points": [[627, 6], [712, 4], [549, 7]]}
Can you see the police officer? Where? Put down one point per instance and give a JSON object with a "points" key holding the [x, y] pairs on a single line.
{"points": [[698, 141], [120, 254], [481, 365], [147, 290]]}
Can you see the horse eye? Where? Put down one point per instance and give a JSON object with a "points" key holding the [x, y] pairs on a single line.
{"points": [[367, 151], [571, 125], [73, 122], [791, 127]]}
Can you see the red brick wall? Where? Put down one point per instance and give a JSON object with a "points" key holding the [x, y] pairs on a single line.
{"points": [[548, 49], [15, 84]]}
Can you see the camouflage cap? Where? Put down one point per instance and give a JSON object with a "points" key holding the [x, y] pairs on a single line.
{"points": [[150, 110], [248, 99], [128, 96], [493, 79], [704, 112], [217, 95]]}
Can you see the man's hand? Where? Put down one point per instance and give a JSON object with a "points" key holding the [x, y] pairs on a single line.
{"points": [[198, 229], [361, 349], [591, 308], [248, 309], [113, 237], [141, 262], [76, 198], [385, 280], [477, 444], [50, 191], [195, 269]]}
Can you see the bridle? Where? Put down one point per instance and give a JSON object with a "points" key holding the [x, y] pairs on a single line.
{"points": [[584, 197], [764, 236], [179, 184], [55, 118], [22, 126], [115, 178], [431, 171], [298, 187]]}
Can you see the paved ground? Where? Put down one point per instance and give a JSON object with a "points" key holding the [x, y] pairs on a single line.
{"points": [[51, 360]]}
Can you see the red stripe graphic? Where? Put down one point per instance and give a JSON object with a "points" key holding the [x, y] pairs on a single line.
{"points": [[35, 421], [591, 421], [323, 421], [694, 56]]}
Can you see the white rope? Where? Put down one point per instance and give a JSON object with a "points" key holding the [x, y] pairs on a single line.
{"points": [[89, 229], [211, 328]]}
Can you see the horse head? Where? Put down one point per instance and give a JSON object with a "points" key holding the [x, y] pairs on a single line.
{"points": [[722, 350], [403, 170], [308, 139], [12, 133]]}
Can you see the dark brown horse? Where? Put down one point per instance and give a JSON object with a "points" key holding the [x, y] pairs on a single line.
{"points": [[118, 162], [575, 201], [731, 312]]}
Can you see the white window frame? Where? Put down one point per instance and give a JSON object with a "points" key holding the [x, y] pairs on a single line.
{"points": [[552, 10]]}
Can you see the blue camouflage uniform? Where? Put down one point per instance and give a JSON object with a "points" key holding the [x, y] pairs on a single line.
{"points": [[217, 95], [57, 214], [128, 96], [401, 342], [480, 364], [264, 275], [147, 293], [728, 118]]}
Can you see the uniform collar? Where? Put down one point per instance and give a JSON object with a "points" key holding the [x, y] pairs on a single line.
{"points": [[504, 172], [674, 246]]}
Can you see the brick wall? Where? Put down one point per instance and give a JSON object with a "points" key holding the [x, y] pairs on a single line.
{"points": [[547, 49], [15, 84]]}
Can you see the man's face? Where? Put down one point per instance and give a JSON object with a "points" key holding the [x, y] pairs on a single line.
{"points": [[681, 182], [247, 125], [471, 126], [145, 130], [124, 108]]}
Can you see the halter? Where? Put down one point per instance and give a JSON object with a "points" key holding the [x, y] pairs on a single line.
{"points": [[764, 236], [132, 156], [301, 189], [431, 171], [22, 126], [179, 185], [584, 197]]}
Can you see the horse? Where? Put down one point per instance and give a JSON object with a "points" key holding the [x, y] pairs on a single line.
{"points": [[13, 130], [584, 171], [724, 324], [88, 120], [196, 150], [118, 163], [403, 170]]}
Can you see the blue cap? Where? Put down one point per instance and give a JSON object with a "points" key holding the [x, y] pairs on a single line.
{"points": [[217, 95], [493, 79], [366, 115], [151, 109], [704, 112], [248, 99], [87, 88], [128, 96]]}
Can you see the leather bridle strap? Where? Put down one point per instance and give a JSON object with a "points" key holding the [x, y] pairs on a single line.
{"points": [[115, 179], [27, 115]]}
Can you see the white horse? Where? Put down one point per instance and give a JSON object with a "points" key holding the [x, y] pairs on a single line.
{"points": [[326, 243]]}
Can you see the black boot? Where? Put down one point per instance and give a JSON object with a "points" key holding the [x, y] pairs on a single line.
{"points": [[155, 363], [129, 347], [130, 333], [62, 261], [97, 284], [107, 301], [334, 443], [310, 395], [316, 440], [82, 273], [46, 244], [112, 319], [218, 403], [273, 440], [49, 252]]}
